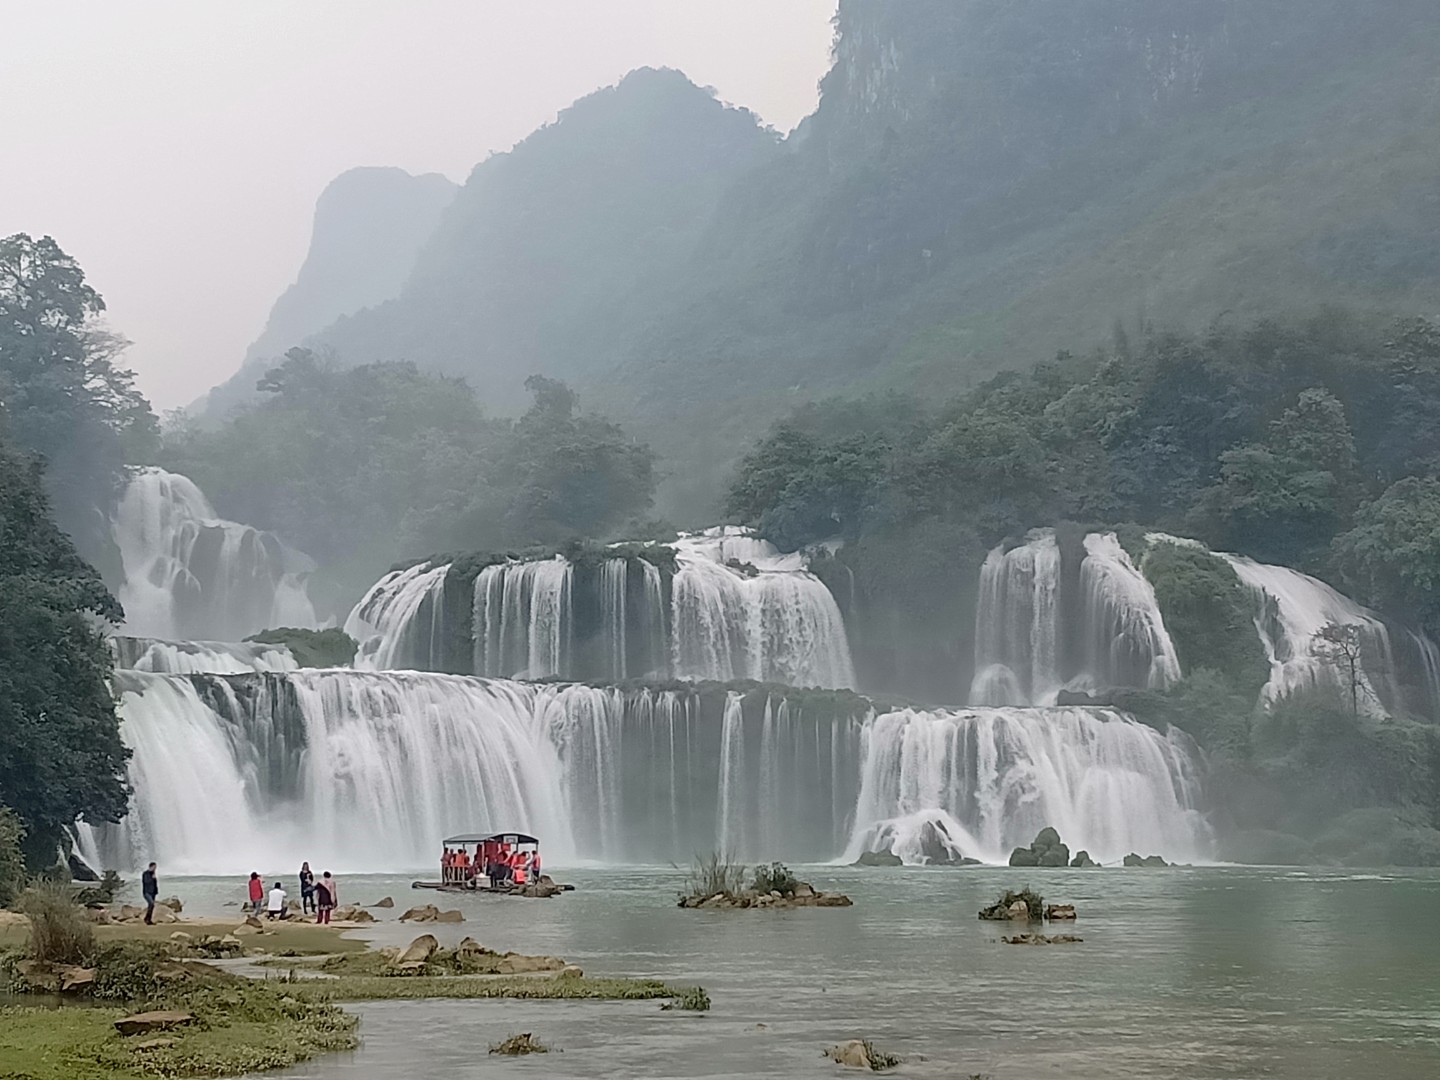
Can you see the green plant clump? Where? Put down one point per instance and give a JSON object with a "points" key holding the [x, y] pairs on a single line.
{"points": [[693, 999], [59, 933], [714, 873], [774, 878]]}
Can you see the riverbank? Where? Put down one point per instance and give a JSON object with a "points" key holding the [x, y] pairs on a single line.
{"points": [[232, 1023]]}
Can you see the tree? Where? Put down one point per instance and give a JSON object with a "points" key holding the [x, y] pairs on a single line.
{"points": [[1342, 646], [12, 856], [61, 757], [1391, 558], [61, 389]]}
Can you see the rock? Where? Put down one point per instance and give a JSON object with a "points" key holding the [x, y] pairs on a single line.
{"points": [[853, 1055], [879, 858], [146, 1022], [76, 979], [1046, 850], [421, 949], [803, 891], [1041, 939], [1046, 838], [230, 941], [128, 912], [352, 914], [254, 923], [384, 902], [154, 1044], [516, 964], [294, 907], [571, 971], [516, 1045], [1024, 857], [1055, 857], [1148, 861], [450, 917], [180, 935], [428, 913], [98, 915], [831, 900], [411, 967], [173, 903], [470, 947], [1060, 912], [1083, 861], [163, 914], [1018, 910]]}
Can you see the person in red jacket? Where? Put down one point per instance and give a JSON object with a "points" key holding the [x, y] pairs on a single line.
{"points": [[257, 894]]}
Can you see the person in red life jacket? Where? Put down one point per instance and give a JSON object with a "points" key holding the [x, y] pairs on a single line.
{"points": [[517, 861]]}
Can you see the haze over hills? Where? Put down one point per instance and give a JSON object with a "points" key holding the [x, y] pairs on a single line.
{"points": [[981, 185]]}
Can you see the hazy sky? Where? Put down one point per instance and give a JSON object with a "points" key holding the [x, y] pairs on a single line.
{"points": [[176, 148]]}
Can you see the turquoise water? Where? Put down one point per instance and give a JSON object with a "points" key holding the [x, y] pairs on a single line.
{"points": [[1194, 973]]}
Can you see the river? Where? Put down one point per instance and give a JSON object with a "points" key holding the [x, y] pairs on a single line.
{"points": [[1211, 972]]}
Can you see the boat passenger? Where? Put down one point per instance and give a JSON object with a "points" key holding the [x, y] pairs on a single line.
{"points": [[519, 868]]}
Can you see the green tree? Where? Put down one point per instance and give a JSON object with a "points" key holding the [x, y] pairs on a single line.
{"points": [[61, 388], [1391, 557], [12, 856], [61, 757]]}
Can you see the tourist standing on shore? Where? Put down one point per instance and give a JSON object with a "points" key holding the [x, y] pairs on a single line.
{"points": [[324, 898], [307, 887], [150, 889], [257, 893]]}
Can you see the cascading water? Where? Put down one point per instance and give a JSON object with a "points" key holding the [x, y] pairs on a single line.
{"points": [[368, 769], [1017, 623], [1291, 610], [1125, 637], [400, 621], [190, 574], [992, 778], [199, 657], [522, 619], [742, 610]]}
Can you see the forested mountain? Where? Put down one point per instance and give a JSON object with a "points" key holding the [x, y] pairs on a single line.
{"points": [[982, 184], [369, 225]]}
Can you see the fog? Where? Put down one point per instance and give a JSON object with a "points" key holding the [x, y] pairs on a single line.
{"points": [[176, 149]]}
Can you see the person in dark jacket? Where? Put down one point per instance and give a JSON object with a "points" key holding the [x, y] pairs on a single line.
{"points": [[150, 889], [307, 887]]}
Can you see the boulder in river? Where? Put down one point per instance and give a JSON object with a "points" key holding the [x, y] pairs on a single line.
{"points": [[426, 913], [1060, 912], [1148, 861], [879, 858], [861, 1054], [419, 950], [173, 903], [1046, 850], [1083, 861], [384, 902], [1041, 939]]}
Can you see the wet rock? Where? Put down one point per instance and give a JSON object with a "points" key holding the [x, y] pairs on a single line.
{"points": [[1041, 939], [419, 950], [853, 1054], [517, 1045], [449, 917], [1046, 850], [427, 913], [146, 1022], [1018, 910], [1083, 861], [128, 912], [162, 915], [385, 902], [1148, 861], [879, 858], [571, 971], [1060, 912]]}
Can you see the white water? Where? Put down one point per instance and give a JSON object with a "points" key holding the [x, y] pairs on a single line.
{"points": [[1017, 623], [774, 622], [521, 619], [1294, 608], [199, 657], [399, 622], [1126, 641], [368, 770], [189, 574], [996, 777]]}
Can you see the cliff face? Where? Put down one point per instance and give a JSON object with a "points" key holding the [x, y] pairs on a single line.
{"points": [[370, 224], [983, 184]]}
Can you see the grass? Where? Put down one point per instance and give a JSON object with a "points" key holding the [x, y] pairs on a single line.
{"points": [[59, 932], [716, 872], [525, 987], [295, 939]]}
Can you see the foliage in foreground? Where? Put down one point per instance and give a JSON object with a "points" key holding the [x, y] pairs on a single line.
{"points": [[12, 857], [59, 933]]}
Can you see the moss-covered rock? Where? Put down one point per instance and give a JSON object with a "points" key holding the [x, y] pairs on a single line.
{"points": [[312, 648]]}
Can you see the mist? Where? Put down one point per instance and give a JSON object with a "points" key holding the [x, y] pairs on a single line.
{"points": [[177, 149]]}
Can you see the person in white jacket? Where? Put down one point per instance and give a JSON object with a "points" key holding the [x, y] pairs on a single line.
{"points": [[275, 906]]}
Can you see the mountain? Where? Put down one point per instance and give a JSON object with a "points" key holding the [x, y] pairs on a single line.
{"points": [[369, 225], [981, 185]]}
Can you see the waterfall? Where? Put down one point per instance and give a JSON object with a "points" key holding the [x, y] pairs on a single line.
{"points": [[191, 574], [742, 610], [614, 578], [521, 619], [994, 777], [1291, 608], [1125, 637], [400, 621], [1430, 676], [367, 770], [199, 657], [1017, 625]]}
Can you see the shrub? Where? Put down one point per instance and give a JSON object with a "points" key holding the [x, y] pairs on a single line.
{"points": [[125, 971], [12, 856], [59, 933], [714, 873], [693, 999], [102, 892], [774, 878]]}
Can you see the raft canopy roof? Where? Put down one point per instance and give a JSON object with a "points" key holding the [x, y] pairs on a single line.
{"points": [[499, 838]]}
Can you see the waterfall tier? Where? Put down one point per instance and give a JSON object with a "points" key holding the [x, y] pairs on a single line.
{"points": [[721, 605], [199, 657], [189, 574], [367, 770]]}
